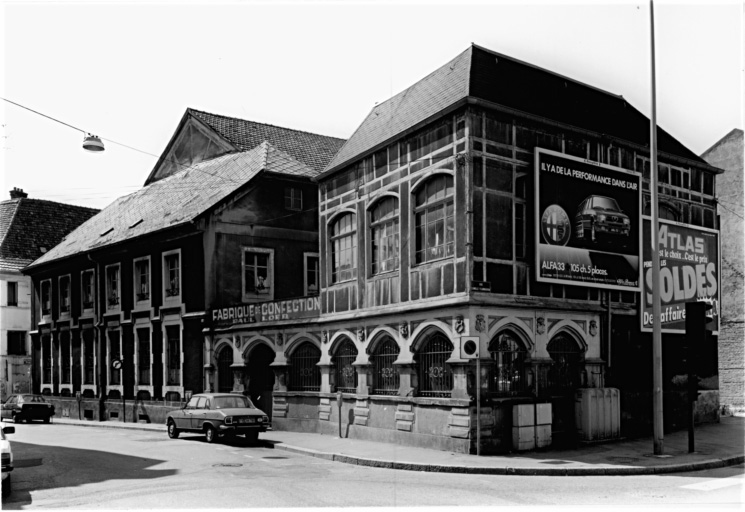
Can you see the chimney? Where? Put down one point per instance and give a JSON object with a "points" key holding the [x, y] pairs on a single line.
{"points": [[17, 193]]}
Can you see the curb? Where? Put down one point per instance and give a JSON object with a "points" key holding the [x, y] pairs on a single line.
{"points": [[476, 470]]}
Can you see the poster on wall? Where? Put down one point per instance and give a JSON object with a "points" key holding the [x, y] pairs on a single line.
{"points": [[689, 271], [588, 223]]}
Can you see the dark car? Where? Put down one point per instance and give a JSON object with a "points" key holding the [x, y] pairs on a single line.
{"points": [[27, 407], [218, 415], [601, 216]]}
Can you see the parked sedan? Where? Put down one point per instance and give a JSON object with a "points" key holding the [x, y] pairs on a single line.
{"points": [[27, 407], [218, 415], [7, 455]]}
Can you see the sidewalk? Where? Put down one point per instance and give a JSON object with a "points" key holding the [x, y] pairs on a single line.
{"points": [[717, 445]]}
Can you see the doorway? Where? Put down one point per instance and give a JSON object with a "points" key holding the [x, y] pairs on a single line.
{"points": [[564, 377], [224, 372], [261, 377]]}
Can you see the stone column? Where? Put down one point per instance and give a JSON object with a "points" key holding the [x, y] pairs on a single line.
{"points": [[364, 378], [460, 379], [327, 377], [408, 381]]}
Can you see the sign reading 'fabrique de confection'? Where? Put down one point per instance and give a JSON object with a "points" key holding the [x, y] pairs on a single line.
{"points": [[290, 309]]}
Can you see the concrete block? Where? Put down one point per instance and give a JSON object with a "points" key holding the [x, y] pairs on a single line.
{"points": [[460, 421], [460, 432], [543, 414], [523, 438], [523, 415], [542, 436], [405, 416], [403, 425]]}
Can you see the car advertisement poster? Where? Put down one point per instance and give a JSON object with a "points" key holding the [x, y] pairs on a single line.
{"points": [[588, 218], [689, 271]]}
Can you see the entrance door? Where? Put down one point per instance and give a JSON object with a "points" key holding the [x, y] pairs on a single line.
{"points": [[261, 378], [567, 362], [224, 373]]}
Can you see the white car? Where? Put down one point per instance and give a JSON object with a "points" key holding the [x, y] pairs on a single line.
{"points": [[7, 455]]}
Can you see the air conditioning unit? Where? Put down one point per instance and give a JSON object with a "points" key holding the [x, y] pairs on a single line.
{"points": [[597, 413]]}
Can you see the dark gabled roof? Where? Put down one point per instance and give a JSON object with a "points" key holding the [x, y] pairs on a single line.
{"points": [[175, 200], [30, 226], [481, 75], [314, 150]]}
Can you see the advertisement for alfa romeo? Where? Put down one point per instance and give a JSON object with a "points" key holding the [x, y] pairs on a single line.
{"points": [[689, 271], [588, 217]]}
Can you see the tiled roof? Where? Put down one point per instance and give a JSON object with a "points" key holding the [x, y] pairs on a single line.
{"points": [[314, 150], [175, 200], [480, 74], [30, 226]]}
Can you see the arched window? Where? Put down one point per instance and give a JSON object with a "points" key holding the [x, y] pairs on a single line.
{"points": [[507, 376], [343, 239], [304, 372], [567, 358], [434, 219], [384, 236], [345, 373], [385, 375], [434, 374]]}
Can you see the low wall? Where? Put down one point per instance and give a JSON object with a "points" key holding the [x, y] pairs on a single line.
{"points": [[130, 411]]}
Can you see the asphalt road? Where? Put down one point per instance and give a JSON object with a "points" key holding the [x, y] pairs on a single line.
{"points": [[61, 466]]}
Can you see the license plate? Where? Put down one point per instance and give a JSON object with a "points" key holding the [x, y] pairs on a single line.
{"points": [[246, 420]]}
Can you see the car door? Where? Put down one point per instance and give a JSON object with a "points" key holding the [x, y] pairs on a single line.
{"points": [[7, 410], [183, 419], [199, 412]]}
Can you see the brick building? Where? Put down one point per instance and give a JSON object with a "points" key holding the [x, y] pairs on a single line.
{"points": [[728, 154]]}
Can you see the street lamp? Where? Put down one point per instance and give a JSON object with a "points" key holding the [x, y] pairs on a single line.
{"points": [[92, 143]]}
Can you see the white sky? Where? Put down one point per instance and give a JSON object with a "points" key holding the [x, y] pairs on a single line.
{"points": [[127, 71]]}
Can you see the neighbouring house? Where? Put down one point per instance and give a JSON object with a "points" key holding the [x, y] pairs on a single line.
{"points": [[728, 154], [28, 229]]}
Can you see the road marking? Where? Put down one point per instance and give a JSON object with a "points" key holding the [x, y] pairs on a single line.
{"points": [[718, 483]]}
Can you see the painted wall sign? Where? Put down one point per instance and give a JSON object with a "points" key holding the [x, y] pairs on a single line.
{"points": [[588, 223], [689, 271], [290, 309]]}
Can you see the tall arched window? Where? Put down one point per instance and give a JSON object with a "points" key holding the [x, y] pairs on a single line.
{"points": [[384, 236], [385, 376], [567, 358], [434, 374], [434, 219], [304, 372], [343, 239], [344, 371], [507, 376]]}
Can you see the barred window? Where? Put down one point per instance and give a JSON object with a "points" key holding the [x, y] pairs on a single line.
{"points": [[384, 236], [304, 372], [385, 376], [344, 371], [435, 374], [344, 249], [507, 376], [566, 363]]}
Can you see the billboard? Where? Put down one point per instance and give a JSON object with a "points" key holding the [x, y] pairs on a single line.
{"points": [[588, 223], [689, 271]]}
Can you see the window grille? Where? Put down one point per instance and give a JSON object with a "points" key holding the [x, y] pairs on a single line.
{"points": [[224, 373], [435, 375], [346, 375], [304, 372], [566, 364], [386, 376], [507, 376]]}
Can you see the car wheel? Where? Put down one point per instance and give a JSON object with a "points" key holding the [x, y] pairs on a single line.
{"points": [[173, 432], [252, 437], [209, 434], [6, 487]]}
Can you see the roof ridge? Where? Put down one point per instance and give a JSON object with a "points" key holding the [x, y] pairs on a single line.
{"points": [[49, 201], [189, 109]]}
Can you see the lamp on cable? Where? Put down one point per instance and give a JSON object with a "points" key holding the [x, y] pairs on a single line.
{"points": [[92, 143]]}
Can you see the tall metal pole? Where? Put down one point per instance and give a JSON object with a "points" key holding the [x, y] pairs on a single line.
{"points": [[657, 418]]}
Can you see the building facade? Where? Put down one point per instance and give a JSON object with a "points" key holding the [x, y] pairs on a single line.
{"points": [[728, 154], [30, 227], [120, 304]]}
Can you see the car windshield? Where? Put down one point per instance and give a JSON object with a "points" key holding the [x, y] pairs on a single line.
{"points": [[605, 203], [33, 398], [231, 402]]}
